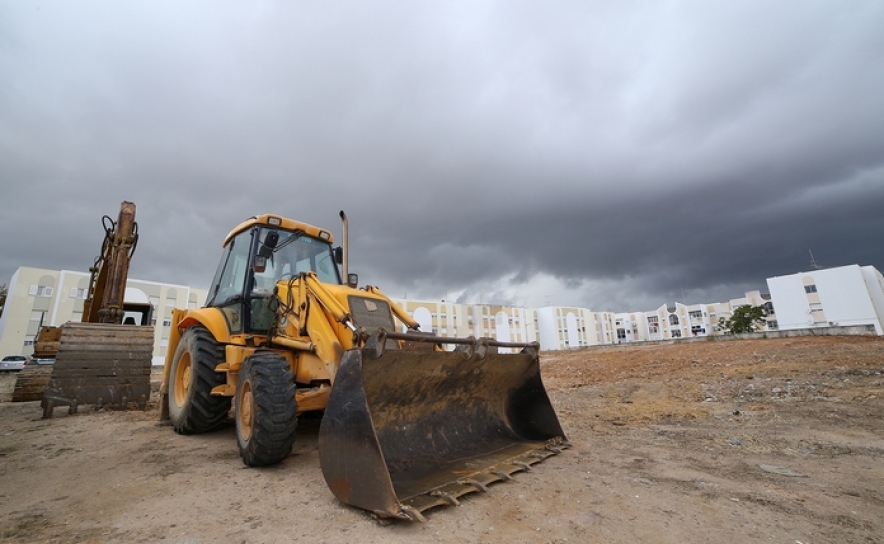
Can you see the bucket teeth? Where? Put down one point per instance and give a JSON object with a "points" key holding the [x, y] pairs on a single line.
{"points": [[412, 514], [502, 475], [522, 465], [473, 483], [447, 497]]}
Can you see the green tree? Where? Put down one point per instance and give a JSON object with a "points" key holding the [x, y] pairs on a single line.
{"points": [[745, 318], [3, 292]]}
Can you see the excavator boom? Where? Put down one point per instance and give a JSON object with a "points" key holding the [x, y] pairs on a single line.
{"points": [[107, 284]]}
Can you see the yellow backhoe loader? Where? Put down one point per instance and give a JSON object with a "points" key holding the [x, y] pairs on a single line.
{"points": [[106, 358], [406, 425]]}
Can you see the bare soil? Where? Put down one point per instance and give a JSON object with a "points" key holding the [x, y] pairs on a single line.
{"points": [[778, 440]]}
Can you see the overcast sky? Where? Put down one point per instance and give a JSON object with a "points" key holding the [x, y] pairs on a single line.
{"points": [[609, 155]]}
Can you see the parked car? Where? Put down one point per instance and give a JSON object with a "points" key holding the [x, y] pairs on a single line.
{"points": [[13, 362], [38, 361]]}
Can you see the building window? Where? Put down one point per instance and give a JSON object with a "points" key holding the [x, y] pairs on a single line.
{"points": [[676, 333], [696, 314], [78, 293], [40, 291], [810, 288], [673, 320]]}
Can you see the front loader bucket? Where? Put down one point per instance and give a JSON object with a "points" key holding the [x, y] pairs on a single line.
{"points": [[410, 430]]}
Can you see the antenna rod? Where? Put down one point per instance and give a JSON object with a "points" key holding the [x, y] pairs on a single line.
{"points": [[813, 263]]}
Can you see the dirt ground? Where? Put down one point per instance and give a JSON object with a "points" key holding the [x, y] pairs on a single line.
{"points": [[778, 440]]}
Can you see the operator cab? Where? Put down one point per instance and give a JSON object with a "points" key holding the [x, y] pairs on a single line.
{"points": [[255, 260]]}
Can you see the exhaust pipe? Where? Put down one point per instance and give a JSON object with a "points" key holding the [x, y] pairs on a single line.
{"points": [[344, 245], [352, 280]]}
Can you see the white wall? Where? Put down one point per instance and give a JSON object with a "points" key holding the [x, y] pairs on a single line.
{"points": [[845, 293], [549, 332]]}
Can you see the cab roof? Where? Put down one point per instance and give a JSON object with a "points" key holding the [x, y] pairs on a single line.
{"points": [[272, 220]]}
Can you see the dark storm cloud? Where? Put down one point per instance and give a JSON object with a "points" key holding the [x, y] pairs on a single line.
{"points": [[605, 155]]}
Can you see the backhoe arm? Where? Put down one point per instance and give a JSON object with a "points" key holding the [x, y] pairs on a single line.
{"points": [[335, 308]]}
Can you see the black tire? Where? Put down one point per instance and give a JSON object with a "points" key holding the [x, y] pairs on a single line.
{"points": [[266, 409], [192, 407]]}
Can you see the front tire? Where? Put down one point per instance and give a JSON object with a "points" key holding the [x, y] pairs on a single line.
{"points": [[192, 407], [266, 409]]}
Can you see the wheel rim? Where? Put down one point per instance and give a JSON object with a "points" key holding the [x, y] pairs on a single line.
{"points": [[182, 379], [245, 411]]}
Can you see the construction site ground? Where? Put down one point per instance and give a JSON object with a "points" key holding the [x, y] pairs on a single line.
{"points": [[776, 440]]}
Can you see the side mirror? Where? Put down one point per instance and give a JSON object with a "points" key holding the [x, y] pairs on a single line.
{"points": [[339, 255], [352, 280], [270, 241]]}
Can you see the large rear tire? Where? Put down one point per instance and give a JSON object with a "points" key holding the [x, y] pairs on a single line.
{"points": [[192, 407], [266, 409]]}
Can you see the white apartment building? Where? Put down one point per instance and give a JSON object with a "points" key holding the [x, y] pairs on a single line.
{"points": [[630, 327], [53, 297], [699, 320], [717, 311], [687, 321], [668, 322], [849, 295], [842, 296], [503, 323], [555, 328], [570, 328], [562, 327], [606, 329]]}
